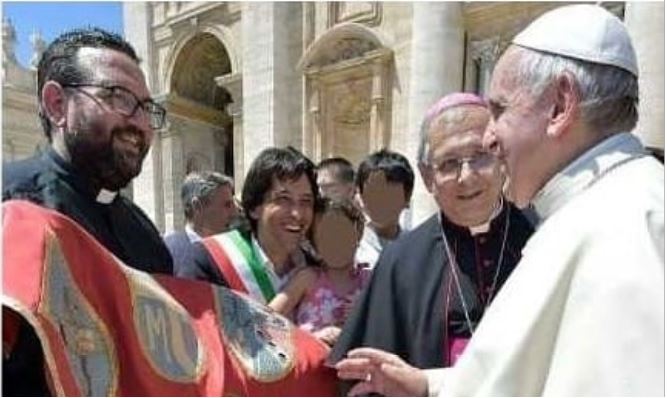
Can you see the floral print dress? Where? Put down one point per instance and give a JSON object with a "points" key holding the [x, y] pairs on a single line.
{"points": [[323, 305]]}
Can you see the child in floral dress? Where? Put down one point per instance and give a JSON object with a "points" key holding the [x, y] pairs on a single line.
{"points": [[320, 297]]}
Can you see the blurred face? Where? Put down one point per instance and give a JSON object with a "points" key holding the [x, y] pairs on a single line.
{"points": [[516, 132], [105, 145], [330, 187], [285, 215], [464, 178], [218, 211], [383, 200], [336, 238]]}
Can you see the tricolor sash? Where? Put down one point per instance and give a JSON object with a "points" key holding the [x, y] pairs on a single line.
{"points": [[240, 265], [108, 329]]}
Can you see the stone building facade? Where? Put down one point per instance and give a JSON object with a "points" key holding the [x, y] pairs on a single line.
{"points": [[329, 78], [21, 129]]}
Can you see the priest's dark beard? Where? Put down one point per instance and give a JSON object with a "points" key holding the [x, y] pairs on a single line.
{"points": [[105, 166]]}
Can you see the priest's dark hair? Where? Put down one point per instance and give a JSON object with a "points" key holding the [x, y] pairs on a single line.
{"points": [[59, 60], [395, 167], [283, 164]]}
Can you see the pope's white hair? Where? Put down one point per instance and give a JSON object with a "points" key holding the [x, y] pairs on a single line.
{"points": [[609, 95]]}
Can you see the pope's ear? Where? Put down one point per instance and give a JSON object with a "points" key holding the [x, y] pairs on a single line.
{"points": [[566, 101], [54, 103], [427, 175]]}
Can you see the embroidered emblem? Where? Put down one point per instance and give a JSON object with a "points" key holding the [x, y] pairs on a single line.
{"points": [[166, 334], [84, 336], [85, 341], [259, 339]]}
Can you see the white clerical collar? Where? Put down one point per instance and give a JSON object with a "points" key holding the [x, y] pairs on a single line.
{"points": [[586, 170], [105, 196], [484, 228]]}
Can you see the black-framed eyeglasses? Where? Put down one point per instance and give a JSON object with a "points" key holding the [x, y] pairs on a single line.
{"points": [[126, 102]]}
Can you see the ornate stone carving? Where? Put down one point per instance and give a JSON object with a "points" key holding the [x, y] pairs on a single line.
{"points": [[159, 11], [366, 12], [344, 49], [232, 84], [197, 161], [185, 107], [351, 103], [8, 41], [485, 51], [173, 7], [347, 93]]}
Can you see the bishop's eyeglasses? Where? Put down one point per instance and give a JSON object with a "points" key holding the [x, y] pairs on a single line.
{"points": [[451, 168], [125, 102]]}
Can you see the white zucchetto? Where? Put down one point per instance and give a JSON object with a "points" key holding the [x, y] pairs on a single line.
{"points": [[585, 32]]}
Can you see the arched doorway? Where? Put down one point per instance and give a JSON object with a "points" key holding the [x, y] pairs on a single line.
{"points": [[195, 96], [199, 135]]}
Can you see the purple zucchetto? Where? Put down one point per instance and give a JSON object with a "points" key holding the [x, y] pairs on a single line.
{"points": [[451, 101], [445, 103]]}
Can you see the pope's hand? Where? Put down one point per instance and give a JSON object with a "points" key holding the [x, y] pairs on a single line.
{"points": [[328, 335], [381, 372]]}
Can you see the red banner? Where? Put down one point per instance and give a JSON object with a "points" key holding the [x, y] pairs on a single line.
{"points": [[107, 329]]}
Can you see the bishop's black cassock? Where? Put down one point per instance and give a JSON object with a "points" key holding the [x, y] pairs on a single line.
{"points": [[412, 294]]}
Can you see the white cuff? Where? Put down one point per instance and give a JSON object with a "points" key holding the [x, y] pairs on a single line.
{"points": [[435, 379]]}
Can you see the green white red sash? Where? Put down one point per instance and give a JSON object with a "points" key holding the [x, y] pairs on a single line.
{"points": [[240, 265]]}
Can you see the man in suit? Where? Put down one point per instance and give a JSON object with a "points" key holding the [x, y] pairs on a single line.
{"points": [[208, 204]]}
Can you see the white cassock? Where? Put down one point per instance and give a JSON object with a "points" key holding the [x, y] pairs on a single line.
{"points": [[583, 313]]}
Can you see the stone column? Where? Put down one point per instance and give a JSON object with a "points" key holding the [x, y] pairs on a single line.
{"points": [[436, 69], [137, 23], [484, 54], [147, 186], [269, 84], [646, 24], [173, 157], [312, 140], [308, 24], [234, 86], [377, 140]]}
